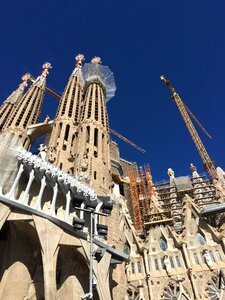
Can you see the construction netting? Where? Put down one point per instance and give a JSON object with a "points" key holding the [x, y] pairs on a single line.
{"points": [[96, 72]]}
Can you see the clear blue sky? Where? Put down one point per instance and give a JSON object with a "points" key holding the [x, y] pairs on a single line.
{"points": [[139, 41]]}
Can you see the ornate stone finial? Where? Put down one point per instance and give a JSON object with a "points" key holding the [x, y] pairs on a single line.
{"points": [[170, 172], [46, 67], [96, 60], [47, 119], [24, 84], [193, 168], [79, 58]]}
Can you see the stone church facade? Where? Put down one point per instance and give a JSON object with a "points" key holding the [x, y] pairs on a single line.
{"points": [[77, 221]]}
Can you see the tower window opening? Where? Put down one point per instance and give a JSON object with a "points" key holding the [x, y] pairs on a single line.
{"points": [[156, 264], [212, 257], [96, 137], [163, 264], [132, 268], [178, 261], [139, 267], [202, 257], [196, 259], [88, 134], [103, 146], [72, 140], [171, 262], [60, 166], [67, 132], [218, 255], [95, 175], [59, 130]]}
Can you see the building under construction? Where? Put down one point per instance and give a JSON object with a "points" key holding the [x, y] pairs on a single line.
{"points": [[77, 221]]}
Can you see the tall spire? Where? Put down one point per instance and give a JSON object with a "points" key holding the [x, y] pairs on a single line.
{"points": [[28, 109], [10, 103], [69, 106], [61, 146], [92, 163]]}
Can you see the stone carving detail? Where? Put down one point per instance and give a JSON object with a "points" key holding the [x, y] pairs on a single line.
{"points": [[83, 174]]}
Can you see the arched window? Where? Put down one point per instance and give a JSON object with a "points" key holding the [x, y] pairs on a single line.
{"points": [[163, 244], [201, 239]]}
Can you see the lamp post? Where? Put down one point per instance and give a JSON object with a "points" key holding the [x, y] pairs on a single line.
{"points": [[92, 214]]}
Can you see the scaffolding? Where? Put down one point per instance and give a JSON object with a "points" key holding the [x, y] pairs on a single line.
{"points": [[170, 196], [141, 188]]}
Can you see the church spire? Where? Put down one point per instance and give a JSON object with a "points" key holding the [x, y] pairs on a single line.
{"points": [[61, 146], [10, 103], [92, 163], [69, 106], [28, 109]]}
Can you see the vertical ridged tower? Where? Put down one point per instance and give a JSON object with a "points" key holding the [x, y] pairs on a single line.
{"points": [[10, 103], [63, 140], [14, 136], [27, 112], [93, 160]]}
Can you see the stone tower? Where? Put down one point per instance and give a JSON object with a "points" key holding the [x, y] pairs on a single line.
{"points": [[62, 144], [10, 103], [93, 160], [26, 112]]}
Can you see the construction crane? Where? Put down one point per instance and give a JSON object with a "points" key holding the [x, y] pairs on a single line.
{"points": [[57, 96], [127, 141], [208, 163]]}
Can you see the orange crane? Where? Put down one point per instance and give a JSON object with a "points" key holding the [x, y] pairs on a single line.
{"points": [[56, 95], [208, 163]]}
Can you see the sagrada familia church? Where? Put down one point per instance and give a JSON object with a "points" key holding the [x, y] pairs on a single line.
{"points": [[77, 221]]}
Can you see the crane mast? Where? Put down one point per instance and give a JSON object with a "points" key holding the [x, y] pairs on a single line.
{"points": [[208, 163]]}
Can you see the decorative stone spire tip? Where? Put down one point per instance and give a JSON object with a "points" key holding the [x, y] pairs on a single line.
{"points": [[46, 66], [79, 58], [24, 84]]}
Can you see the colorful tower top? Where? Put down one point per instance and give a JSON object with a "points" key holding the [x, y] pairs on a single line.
{"points": [[94, 72], [41, 80]]}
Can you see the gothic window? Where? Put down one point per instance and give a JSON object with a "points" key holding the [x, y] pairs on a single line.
{"points": [[178, 261], [156, 264], [196, 259], [88, 134], [201, 239], [163, 244], [163, 264], [132, 268], [139, 266], [96, 137], [171, 262], [202, 257], [211, 256], [218, 255], [67, 132]]}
